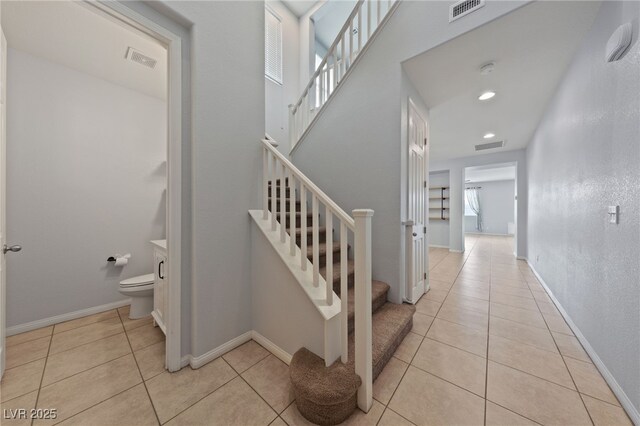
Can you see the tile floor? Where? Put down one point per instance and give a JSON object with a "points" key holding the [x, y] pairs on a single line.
{"points": [[487, 347]]}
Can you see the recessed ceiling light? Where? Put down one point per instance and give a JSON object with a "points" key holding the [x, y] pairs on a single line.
{"points": [[487, 95], [489, 135]]}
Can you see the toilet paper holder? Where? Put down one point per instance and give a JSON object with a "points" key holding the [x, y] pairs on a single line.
{"points": [[111, 259]]}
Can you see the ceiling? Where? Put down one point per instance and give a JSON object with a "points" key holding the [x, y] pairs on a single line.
{"points": [[490, 173], [531, 47], [299, 7], [74, 35]]}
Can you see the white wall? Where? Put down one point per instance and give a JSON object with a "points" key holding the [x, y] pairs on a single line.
{"points": [[496, 202], [456, 168], [279, 96], [86, 179], [584, 157], [438, 229], [354, 150]]}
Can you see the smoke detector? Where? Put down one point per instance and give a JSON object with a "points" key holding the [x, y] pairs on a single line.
{"points": [[490, 145], [134, 55]]}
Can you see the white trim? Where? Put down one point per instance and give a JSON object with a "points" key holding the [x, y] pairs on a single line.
{"points": [[17, 329], [456, 251], [199, 361], [437, 246], [276, 350], [488, 233], [628, 406], [521, 258], [120, 12]]}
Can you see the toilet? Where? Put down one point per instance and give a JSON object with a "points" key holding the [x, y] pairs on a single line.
{"points": [[140, 290]]}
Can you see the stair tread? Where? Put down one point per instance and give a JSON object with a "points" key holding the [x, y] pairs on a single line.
{"points": [[378, 289], [323, 250], [321, 230], [336, 270]]}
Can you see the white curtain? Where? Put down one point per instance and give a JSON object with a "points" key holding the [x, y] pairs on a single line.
{"points": [[473, 199]]}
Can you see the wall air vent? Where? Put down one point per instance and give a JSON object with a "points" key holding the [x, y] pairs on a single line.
{"points": [[142, 59], [464, 7], [490, 145]]}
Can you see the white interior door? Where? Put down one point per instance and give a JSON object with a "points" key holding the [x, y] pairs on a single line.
{"points": [[416, 229], [3, 198]]}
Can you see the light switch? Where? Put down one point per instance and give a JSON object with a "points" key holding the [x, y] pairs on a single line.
{"points": [[613, 214]]}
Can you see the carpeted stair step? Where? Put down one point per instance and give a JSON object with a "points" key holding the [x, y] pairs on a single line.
{"points": [[298, 216], [278, 191], [336, 273], [323, 252], [287, 205], [322, 234], [379, 292]]}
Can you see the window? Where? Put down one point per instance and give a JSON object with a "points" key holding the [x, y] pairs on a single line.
{"points": [[467, 208], [272, 46]]}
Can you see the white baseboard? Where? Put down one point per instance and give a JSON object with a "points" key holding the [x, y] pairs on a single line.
{"points": [[437, 246], [199, 361], [456, 251], [628, 406], [490, 234], [17, 329], [272, 347]]}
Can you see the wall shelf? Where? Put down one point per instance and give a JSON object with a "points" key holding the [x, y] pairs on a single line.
{"points": [[439, 193]]}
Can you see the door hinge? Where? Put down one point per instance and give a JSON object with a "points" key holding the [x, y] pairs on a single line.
{"points": [[425, 183], [425, 141], [425, 275], [424, 230]]}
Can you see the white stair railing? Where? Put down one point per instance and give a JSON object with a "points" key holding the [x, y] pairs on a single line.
{"points": [[281, 176], [361, 27]]}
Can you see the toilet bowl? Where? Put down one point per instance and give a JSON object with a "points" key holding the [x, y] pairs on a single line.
{"points": [[140, 290]]}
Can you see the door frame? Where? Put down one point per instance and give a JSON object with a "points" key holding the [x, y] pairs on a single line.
{"points": [[408, 224], [3, 199], [121, 14]]}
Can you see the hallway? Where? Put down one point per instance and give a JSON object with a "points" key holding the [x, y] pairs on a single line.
{"points": [[489, 346]]}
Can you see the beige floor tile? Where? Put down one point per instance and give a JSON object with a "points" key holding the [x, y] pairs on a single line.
{"points": [[436, 295], [499, 416], [465, 338], [455, 300], [463, 284], [453, 365], [23, 353], [511, 291], [91, 319], [534, 398], [21, 380], [172, 393], [570, 346], [151, 360], [389, 379], [515, 301], [504, 282], [85, 334], [589, 381], [425, 399], [541, 296], [245, 356], [522, 316], [538, 362], [293, 417], [81, 358], [131, 407], [11, 411], [391, 418], [439, 285], [557, 323], [465, 317], [278, 422], [270, 378], [408, 347], [77, 393], [421, 323], [28, 336], [604, 414], [476, 293], [548, 308], [130, 324], [233, 403], [427, 307], [522, 333], [144, 336]]}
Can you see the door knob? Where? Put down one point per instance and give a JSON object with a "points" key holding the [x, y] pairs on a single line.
{"points": [[415, 234], [14, 249]]}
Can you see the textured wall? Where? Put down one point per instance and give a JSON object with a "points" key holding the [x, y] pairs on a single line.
{"points": [[584, 157]]}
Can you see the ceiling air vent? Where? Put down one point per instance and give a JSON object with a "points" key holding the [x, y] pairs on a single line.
{"points": [[464, 7], [137, 56], [490, 145]]}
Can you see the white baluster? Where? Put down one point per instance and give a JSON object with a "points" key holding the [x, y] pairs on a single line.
{"points": [[378, 11], [359, 30], [292, 215], [362, 304], [350, 44], [344, 291], [274, 172], [283, 205], [329, 256], [368, 20], [343, 61], [303, 227], [265, 183], [315, 237]]}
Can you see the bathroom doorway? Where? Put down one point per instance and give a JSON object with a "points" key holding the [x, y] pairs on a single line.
{"points": [[74, 173]]}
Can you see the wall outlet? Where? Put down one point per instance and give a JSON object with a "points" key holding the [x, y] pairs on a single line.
{"points": [[614, 212]]}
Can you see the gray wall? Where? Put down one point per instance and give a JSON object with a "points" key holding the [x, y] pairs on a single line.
{"points": [[496, 202], [456, 169], [438, 229], [354, 151], [584, 157], [86, 179]]}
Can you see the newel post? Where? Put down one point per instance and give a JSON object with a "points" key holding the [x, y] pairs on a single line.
{"points": [[363, 327]]}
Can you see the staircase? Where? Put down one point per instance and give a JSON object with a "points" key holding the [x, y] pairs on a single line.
{"points": [[371, 328]]}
